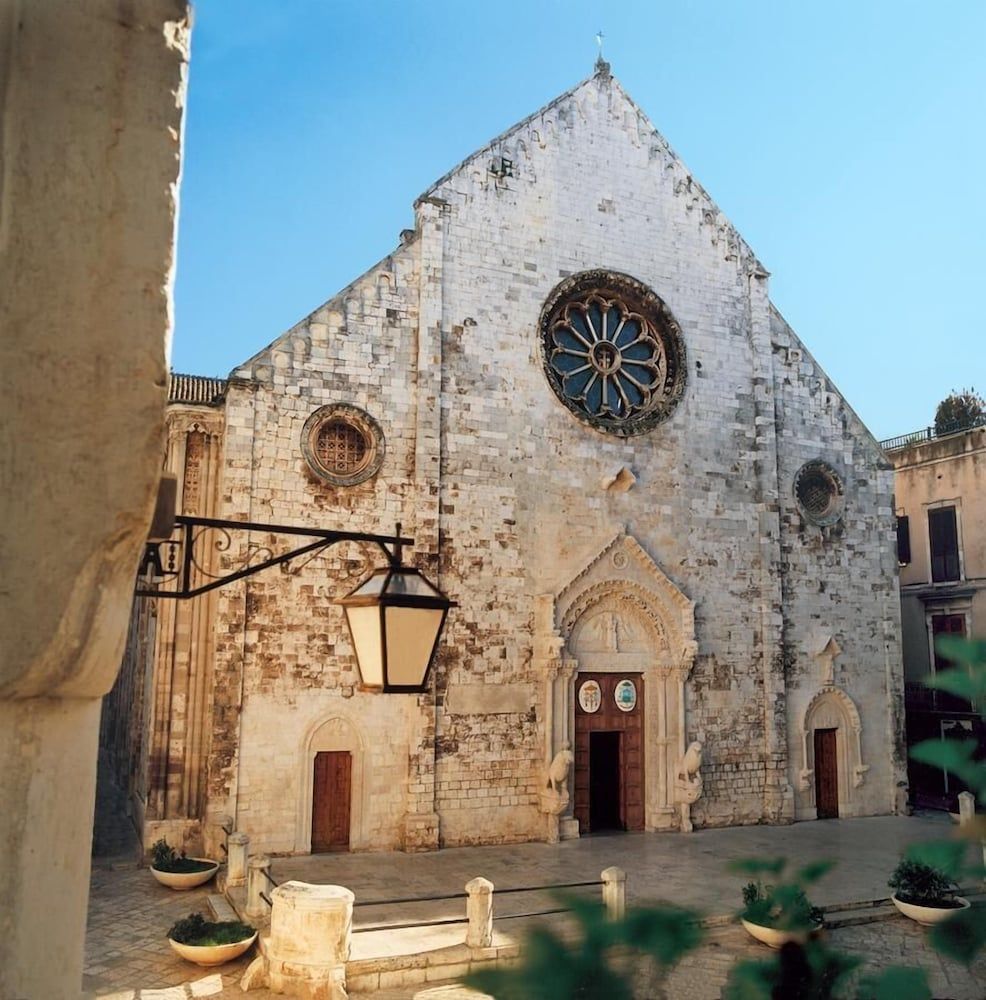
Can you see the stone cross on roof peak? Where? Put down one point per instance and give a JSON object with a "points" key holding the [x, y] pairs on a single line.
{"points": [[602, 67]]}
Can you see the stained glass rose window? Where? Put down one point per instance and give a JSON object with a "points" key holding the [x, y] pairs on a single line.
{"points": [[612, 352]]}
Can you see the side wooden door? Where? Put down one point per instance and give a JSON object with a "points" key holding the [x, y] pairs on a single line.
{"points": [[331, 797], [826, 774]]}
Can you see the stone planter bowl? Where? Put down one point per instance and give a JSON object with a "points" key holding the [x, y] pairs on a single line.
{"points": [[186, 880], [929, 915], [774, 938], [212, 954]]}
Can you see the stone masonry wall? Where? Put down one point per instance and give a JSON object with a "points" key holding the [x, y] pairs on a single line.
{"points": [[839, 581], [484, 466], [523, 505], [286, 661]]}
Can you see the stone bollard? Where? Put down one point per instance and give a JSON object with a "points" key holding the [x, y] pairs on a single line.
{"points": [[214, 833], [479, 910], [238, 846], [311, 928], [258, 868], [615, 892], [967, 808]]}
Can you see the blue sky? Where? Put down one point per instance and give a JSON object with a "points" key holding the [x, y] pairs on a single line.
{"points": [[845, 140]]}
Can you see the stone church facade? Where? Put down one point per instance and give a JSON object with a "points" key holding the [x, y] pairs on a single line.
{"points": [[670, 539]]}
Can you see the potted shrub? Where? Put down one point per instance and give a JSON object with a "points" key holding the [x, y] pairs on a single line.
{"points": [[780, 911], [923, 893], [178, 871], [206, 942]]}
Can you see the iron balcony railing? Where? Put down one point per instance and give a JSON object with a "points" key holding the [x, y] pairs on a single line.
{"points": [[929, 433]]}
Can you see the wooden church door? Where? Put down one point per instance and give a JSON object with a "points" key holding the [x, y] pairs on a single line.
{"points": [[331, 796], [826, 774]]}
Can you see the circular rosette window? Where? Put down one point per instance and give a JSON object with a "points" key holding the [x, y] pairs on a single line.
{"points": [[343, 445], [819, 492], [612, 352]]}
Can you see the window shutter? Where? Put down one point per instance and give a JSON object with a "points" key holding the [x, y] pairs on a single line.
{"points": [[903, 540]]}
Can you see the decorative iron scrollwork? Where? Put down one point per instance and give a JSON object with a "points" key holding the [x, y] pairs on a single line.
{"points": [[198, 557]]}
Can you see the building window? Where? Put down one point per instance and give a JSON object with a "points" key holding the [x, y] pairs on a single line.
{"points": [[903, 540], [944, 539], [819, 492], [343, 445], [947, 625], [612, 352]]}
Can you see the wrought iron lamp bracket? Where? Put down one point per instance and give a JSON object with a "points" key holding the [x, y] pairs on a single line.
{"points": [[178, 563]]}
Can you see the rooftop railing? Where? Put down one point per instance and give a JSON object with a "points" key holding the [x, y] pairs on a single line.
{"points": [[930, 433]]}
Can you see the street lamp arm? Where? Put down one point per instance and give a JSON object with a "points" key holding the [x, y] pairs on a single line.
{"points": [[178, 564]]}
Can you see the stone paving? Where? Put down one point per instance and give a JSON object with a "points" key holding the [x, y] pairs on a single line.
{"points": [[128, 957]]}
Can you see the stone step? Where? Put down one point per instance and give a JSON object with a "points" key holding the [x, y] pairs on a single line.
{"points": [[221, 910]]}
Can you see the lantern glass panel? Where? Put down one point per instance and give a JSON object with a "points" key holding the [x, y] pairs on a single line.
{"points": [[411, 583], [411, 636], [372, 586], [364, 624]]}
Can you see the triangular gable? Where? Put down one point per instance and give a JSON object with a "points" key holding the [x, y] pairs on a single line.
{"points": [[533, 130]]}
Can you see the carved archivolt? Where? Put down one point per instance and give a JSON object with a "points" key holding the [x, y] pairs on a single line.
{"points": [[614, 596], [832, 708], [623, 571]]}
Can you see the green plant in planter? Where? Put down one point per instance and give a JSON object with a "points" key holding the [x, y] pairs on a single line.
{"points": [[781, 904], [923, 885], [195, 930], [166, 859]]}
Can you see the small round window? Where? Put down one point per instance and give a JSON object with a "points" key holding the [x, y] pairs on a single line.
{"points": [[819, 492], [342, 445], [612, 352]]}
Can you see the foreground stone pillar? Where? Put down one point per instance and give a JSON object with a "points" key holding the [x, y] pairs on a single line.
{"points": [[91, 102], [306, 952]]}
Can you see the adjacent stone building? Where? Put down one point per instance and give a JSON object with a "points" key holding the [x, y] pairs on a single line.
{"points": [[940, 485], [670, 538]]}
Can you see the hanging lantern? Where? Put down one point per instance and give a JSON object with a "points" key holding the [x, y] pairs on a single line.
{"points": [[395, 618]]}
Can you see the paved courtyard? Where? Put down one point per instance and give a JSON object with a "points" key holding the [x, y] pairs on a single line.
{"points": [[128, 957]]}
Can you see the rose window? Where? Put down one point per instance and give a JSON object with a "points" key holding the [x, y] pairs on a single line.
{"points": [[612, 352], [342, 444]]}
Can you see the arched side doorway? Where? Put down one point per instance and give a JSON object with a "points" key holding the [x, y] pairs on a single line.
{"points": [[621, 625], [330, 806], [831, 748]]}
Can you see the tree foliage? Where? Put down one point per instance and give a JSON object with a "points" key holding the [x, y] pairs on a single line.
{"points": [[958, 410]]}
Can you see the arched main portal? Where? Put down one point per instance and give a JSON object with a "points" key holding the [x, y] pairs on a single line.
{"points": [[624, 637]]}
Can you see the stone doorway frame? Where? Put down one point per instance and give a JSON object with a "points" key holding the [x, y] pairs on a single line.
{"points": [[832, 708], [328, 734], [624, 579]]}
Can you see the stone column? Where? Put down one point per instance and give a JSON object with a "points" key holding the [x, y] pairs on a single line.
{"points": [[479, 910], [91, 106], [238, 846], [306, 952], [615, 892]]}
